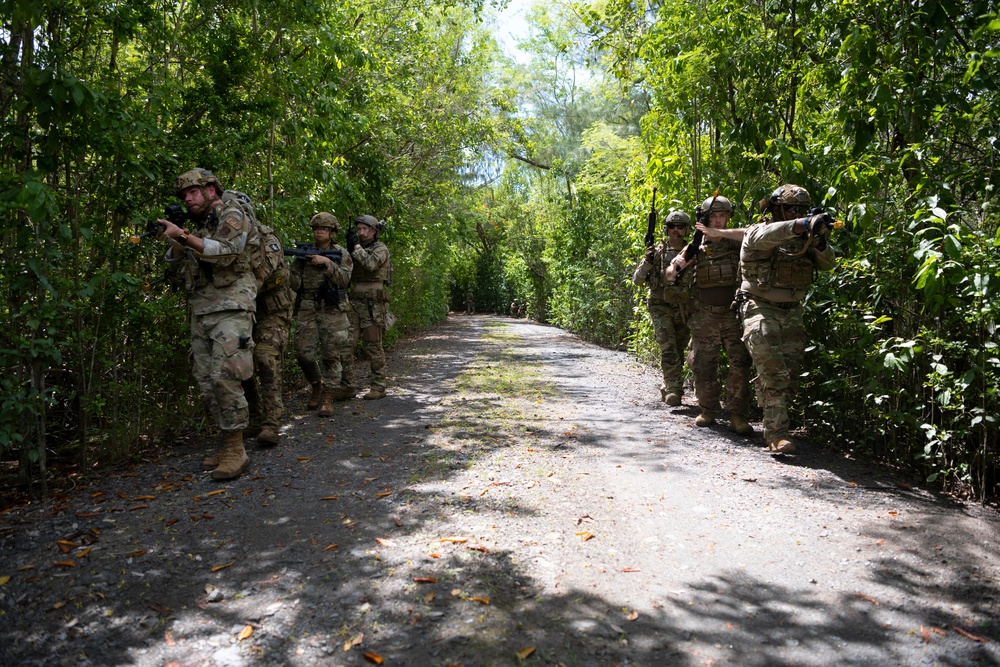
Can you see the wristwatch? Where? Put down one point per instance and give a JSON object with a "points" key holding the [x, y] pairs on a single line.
{"points": [[182, 239]]}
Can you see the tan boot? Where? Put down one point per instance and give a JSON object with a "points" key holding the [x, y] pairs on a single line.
{"points": [[233, 459], [211, 461], [316, 397], [326, 410], [343, 393], [268, 437], [704, 419], [376, 392], [781, 445], [739, 425], [252, 431], [673, 399]]}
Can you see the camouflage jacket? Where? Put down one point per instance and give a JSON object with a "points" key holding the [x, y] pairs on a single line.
{"points": [[773, 266], [372, 264], [306, 278], [660, 290], [220, 278]]}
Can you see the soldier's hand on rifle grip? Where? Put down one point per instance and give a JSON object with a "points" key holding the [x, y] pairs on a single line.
{"points": [[819, 224], [320, 260], [650, 255], [352, 239]]}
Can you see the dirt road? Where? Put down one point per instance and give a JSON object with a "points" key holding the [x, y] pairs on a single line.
{"points": [[519, 498]]}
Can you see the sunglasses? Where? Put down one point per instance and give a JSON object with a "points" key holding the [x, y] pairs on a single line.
{"points": [[798, 209], [676, 226]]}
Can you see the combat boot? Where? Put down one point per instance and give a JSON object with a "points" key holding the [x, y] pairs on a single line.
{"points": [[739, 425], [781, 445], [673, 399], [211, 461], [268, 436], [233, 459], [316, 397], [704, 419], [344, 393], [376, 392], [252, 431], [326, 410]]}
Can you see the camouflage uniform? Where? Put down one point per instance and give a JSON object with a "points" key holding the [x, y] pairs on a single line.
{"points": [[323, 336], [369, 310], [221, 296], [271, 328], [713, 325], [668, 311], [775, 279]]}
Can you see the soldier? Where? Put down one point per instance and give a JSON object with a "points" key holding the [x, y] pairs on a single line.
{"points": [[470, 303], [713, 323], [369, 313], [272, 323], [522, 310], [213, 265], [778, 259], [323, 335], [514, 307], [667, 305]]}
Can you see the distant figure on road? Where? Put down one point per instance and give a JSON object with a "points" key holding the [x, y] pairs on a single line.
{"points": [[514, 308], [522, 310], [470, 303]]}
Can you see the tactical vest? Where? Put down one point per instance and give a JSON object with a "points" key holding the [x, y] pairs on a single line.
{"points": [[718, 264], [200, 273], [779, 268], [674, 294], [382, 273]]}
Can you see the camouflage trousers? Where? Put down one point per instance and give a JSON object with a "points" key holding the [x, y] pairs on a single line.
{"points": [[670, 329], [222, 358], [367, 323], [776, 339], [263, 391], [323, 339], [714, 328]]}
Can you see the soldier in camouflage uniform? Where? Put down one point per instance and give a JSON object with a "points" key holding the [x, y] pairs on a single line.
{"points": [[713, 323], [323, 337], [514, 307], [369, 311], [272, 324], [778, 260], [212, 264], [668, 305]]}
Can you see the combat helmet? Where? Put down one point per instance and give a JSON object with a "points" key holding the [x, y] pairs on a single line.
{"points": [[675, 217], [794, 201], [327, 220], [196, 177], [371, 221], [717, 203]]}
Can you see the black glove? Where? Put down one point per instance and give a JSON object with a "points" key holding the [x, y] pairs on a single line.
{"points": [[352, 239], [650, 255], [819, 224]]}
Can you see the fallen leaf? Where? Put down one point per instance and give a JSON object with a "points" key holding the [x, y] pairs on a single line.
{"points": [[66, 563], [429, 597], [893, 513], [631, 569], [207, 516], [330, 498], [25, 568], [83, 553], [168, 637], [480, 548], [938, 631], [425, 580], [634, 615], [4, 579], [455, 592], [926, 635], [586, 535], [454, 540], [483, 600], [384, 494], [86, 515], [171, 522], [303, 458], [145, 498], [140, 506], [905, 487], [331, 546], [216, 568], [866, 598], [968, 635], [216, 492], [525, 652], [397, 522], [137, 553], [434, 555], [374, 657], [351, 643], [384, 542], [245, 632], [65, 546], [59, 605]]}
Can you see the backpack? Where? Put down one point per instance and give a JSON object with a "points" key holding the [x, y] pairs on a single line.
{"points": [[267, 260]]}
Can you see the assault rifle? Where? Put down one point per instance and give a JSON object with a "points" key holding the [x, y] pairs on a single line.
{"points": [[650, 239], [691, 251], [303, 251], [175, 213], [818, 225]]}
